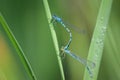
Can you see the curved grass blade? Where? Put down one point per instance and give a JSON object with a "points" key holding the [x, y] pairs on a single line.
{"points": [[97, 44], [17, 48], [54, 37]]}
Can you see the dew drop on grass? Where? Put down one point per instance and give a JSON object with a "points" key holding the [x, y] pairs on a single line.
{"points": [[104, 29]]}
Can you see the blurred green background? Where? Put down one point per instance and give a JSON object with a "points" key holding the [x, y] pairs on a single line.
{"points": [[28, 22]]}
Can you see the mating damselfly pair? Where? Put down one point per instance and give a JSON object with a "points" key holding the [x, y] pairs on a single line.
{"points": [[88, 64]]}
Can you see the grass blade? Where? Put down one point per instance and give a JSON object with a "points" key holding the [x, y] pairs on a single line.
{"points": [[17, 48], [97, 44], [54, 37]]}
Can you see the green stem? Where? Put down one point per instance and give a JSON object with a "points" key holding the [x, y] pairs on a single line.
{"points": [[17, 48], [54, 37], [97, 44]]}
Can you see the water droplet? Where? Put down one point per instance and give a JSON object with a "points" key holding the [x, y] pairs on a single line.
{"points": [[103, 29], [96, 56], [98, 41]]}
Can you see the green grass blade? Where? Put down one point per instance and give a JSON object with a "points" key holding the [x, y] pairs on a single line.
{"points": [[54, 37], [17, 48], [97, 44]]}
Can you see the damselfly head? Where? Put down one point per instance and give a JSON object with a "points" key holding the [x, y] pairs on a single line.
{"points": [[56, 18], [62, 54], [62, 49]]}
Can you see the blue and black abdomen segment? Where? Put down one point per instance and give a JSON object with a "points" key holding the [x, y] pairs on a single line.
{"points": [[59, 20]]}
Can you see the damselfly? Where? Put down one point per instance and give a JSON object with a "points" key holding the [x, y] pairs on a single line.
{"points": [[88, 64], [78, 30]]}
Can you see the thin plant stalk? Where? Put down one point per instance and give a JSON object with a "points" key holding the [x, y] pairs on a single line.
{"points": [[54, 37], [97, 43], [17, 48]]}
